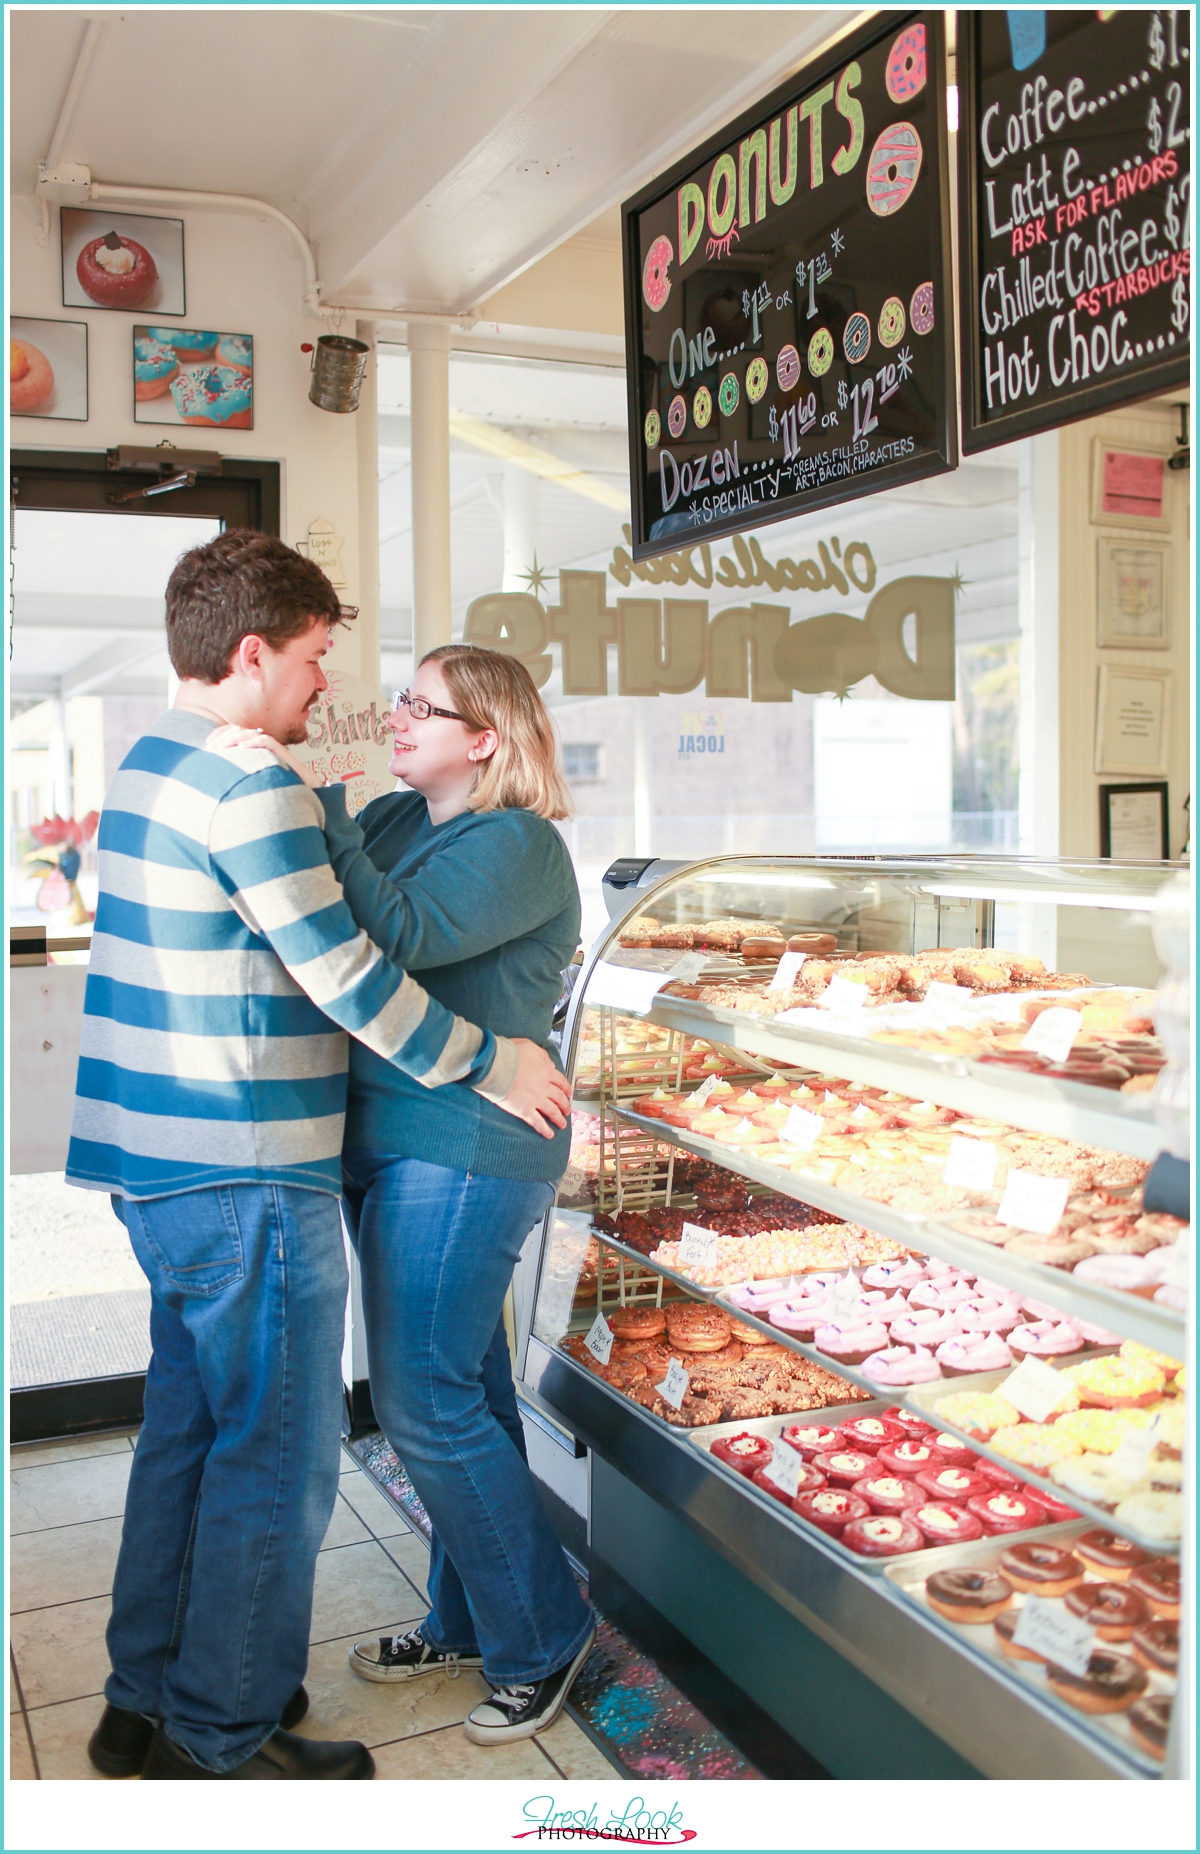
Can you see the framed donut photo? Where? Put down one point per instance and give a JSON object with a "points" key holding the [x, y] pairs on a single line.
{"points": [[48, 375], [121, 260], [192, 376]]}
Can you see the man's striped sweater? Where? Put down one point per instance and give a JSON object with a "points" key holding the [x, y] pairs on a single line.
{"points": [[225, 972]]}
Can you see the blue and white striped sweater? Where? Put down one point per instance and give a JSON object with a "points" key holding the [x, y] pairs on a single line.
{"points": [[225, 972]]}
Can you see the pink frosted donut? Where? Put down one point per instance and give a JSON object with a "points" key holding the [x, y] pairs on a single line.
{"points": [[987, 1316], [1095, 1335], [677, 415], [760, 1296], [849, 1345], [901, 1364], [656, 283], [920, 309], [928, 1326], [945, 1296], [1130, 1273], [787, 368], [887, 1307], [973, 1352], [937, 1270], [890, 1275], [893, 168], [905, 72], [1046, 1338]]}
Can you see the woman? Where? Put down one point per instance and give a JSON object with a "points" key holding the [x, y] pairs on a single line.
{"points": [[463, 879]]}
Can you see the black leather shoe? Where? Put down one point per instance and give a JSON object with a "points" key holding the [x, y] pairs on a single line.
{"points": [[284, 1758], [119, 1744]]}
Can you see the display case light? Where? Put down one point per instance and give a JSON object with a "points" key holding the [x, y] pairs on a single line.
{"points": [[982, 891]]}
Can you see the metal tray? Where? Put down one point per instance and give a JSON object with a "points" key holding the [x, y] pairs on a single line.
{"points": [[908, 1574], [772, 1426], [924, 1398]]}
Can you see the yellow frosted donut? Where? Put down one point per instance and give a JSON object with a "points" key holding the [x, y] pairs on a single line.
{"points": [[1035, 1445], [978, 1412], [1116, 1381], [1144, 1355], [1099, 1432]]}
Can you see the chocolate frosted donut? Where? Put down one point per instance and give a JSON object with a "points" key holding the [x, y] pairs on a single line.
{"points": [[1108, 1552], [968, 1596], [1156, 1645], [1158, 1584], [1150, 1723], [1005, 1625], [1111, 1609], [1045, 1569], [1111, 1684]]}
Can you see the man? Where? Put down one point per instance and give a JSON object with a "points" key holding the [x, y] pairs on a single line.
{"points": [[225, 971]]}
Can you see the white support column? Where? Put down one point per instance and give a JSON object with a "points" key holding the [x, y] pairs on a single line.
{"points": [[520, 526], [366, 433], [643, 776], [429, 353], [1037, 728], [62, 799]]}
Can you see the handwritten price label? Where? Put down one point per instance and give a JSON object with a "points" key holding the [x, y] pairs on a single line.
{"points": [[1033, 1203], [944, 1004], [785, 1468], [1034, 1389], [599, 1341], [1047, 1629], [689, 967], [786, 970], [674, 1385], [841, 995], [704, 1091], [971, 1165], [846, 1294], [802, 1129], [625, 988], [1131, 1457], [697, 1247], [1052, 1033]]}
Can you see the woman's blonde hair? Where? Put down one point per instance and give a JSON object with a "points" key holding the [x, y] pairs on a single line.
{"points": [[490, 690]]}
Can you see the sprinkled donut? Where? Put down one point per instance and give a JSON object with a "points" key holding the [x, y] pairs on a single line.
{"points": [[891, 322], [893, 169], [656, 284], [920, 309], [653, 429], [677, 415], [757, 379], [820, 353], [787, 368], [905, 72], [702, 407], [236, 351], [155, 365], [728, 396], [856, 339], [214, 396]]}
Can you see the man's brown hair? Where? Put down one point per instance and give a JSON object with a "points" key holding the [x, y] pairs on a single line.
{"points": [[239, 585]]}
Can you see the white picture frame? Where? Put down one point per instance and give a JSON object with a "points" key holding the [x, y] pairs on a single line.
{"points": [[1133, 593], [1133, 717]]}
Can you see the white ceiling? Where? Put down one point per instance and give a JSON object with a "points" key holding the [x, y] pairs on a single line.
{"points": [[429, 156]]}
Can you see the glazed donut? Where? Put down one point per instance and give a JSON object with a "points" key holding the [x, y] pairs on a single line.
{"points": [[653, 429], [942, 1523], [1111, 1684], [637, 1322], [887, 1493], [830, 1509], [1156, 1645], [1113, 1610], [758, 378], [808, 1481], [787, 368], [1005, 1627], [958, 1485], [190, 344], [885, 1536], [1005, 1512], [892, 322], [1150, 1723], [236, 351], [702, 407], [1115, 1558], [214, 396], [810, 1439], [1155, 1515], [155, 365], [727, 397], [920, 309], [820, 353], [968, 1596], [116, 272], [842, 1467], [1047, 1570], [677, 415], [1158, 1584], [904, 73], [893, 168], [30, 379], [743, 1452], [909, 1457], [856, 338], [656, 282], [869, 1433]]}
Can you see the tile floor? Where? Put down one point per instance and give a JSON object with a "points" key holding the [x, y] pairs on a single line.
{"points": [[65, 1506]]}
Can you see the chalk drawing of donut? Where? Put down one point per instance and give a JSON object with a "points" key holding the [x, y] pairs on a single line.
{"points": [[656, 284], [653, 428], [905, 73], [757, 379], [893, 168], [920, 309], [702, 407], [677, 415], [787, 368], [891, 322], [856, 338], [729, 394], [820, 353]]}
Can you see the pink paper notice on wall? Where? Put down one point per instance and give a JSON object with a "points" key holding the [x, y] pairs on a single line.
{"points": [[1132, 485]]}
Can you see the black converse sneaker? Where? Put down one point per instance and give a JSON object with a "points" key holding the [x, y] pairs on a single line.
{"points": [[521, 1711], [403, 1657]]}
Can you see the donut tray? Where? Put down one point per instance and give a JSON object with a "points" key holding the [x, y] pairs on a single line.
{"points": [[907, 1575], [924, 1398], [772, 1426]]}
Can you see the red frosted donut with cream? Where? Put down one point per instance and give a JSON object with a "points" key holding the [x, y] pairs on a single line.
{"points": [[869, 1433], [955, 1452], [116, 272], [810, 1439], [810, 1481], [911, 1421], [831, 1509], [940, 1522], [883, 1536], [1001, 1511], [910, 1457], [743, 1452], [843, 1466], [959, 1485], [888, 1493]]}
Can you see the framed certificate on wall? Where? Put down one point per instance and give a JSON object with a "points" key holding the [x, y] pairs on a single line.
{"points": [[1133, 822], [1133, 591], [1133, 708]]}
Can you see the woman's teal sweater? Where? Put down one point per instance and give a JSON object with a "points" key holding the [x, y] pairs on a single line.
{"points": [[484, 911]]}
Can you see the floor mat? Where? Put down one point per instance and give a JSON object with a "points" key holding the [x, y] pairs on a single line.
{"points": [[621, 1698]]}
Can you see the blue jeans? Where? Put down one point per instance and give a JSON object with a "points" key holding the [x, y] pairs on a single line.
{"points": [[236, 1469], [437, 1249]]}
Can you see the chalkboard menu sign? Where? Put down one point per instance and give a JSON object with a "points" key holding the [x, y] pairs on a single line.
{"points": [[1075, 199], [788, 309]]}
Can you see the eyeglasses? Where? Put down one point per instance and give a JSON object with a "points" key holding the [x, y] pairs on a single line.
{"points": [[420, 709], [347, 614]]}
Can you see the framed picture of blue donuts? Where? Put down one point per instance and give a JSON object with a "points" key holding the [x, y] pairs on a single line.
{"points": [[192, 376], [122, 260]]}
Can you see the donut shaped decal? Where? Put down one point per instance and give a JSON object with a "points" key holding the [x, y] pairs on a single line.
{"points": [[891, 322], [820, 353], [653, 428], [787, 368], [757, 379], [905, 73], [920, 309], [702, 407], [856, 340], [656, 284], [729, 395], [677, 415], [893, 168]]}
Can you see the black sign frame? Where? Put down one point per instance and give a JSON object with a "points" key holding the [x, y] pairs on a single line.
{"points": [[943, 338], [985, 434]]}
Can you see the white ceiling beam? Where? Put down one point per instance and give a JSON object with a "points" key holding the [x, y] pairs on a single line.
{"points": [[100, 668], [69, 611]]}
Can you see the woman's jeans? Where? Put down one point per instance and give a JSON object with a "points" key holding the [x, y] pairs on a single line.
{"points": [[437, 1250], [236, 1469]]}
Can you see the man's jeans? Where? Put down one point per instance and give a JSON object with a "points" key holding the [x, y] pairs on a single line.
{"points": [[437, 1249], [236, 1469]]}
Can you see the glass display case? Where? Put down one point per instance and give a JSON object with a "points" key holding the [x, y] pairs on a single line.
{"points": [[855, 1269]]}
